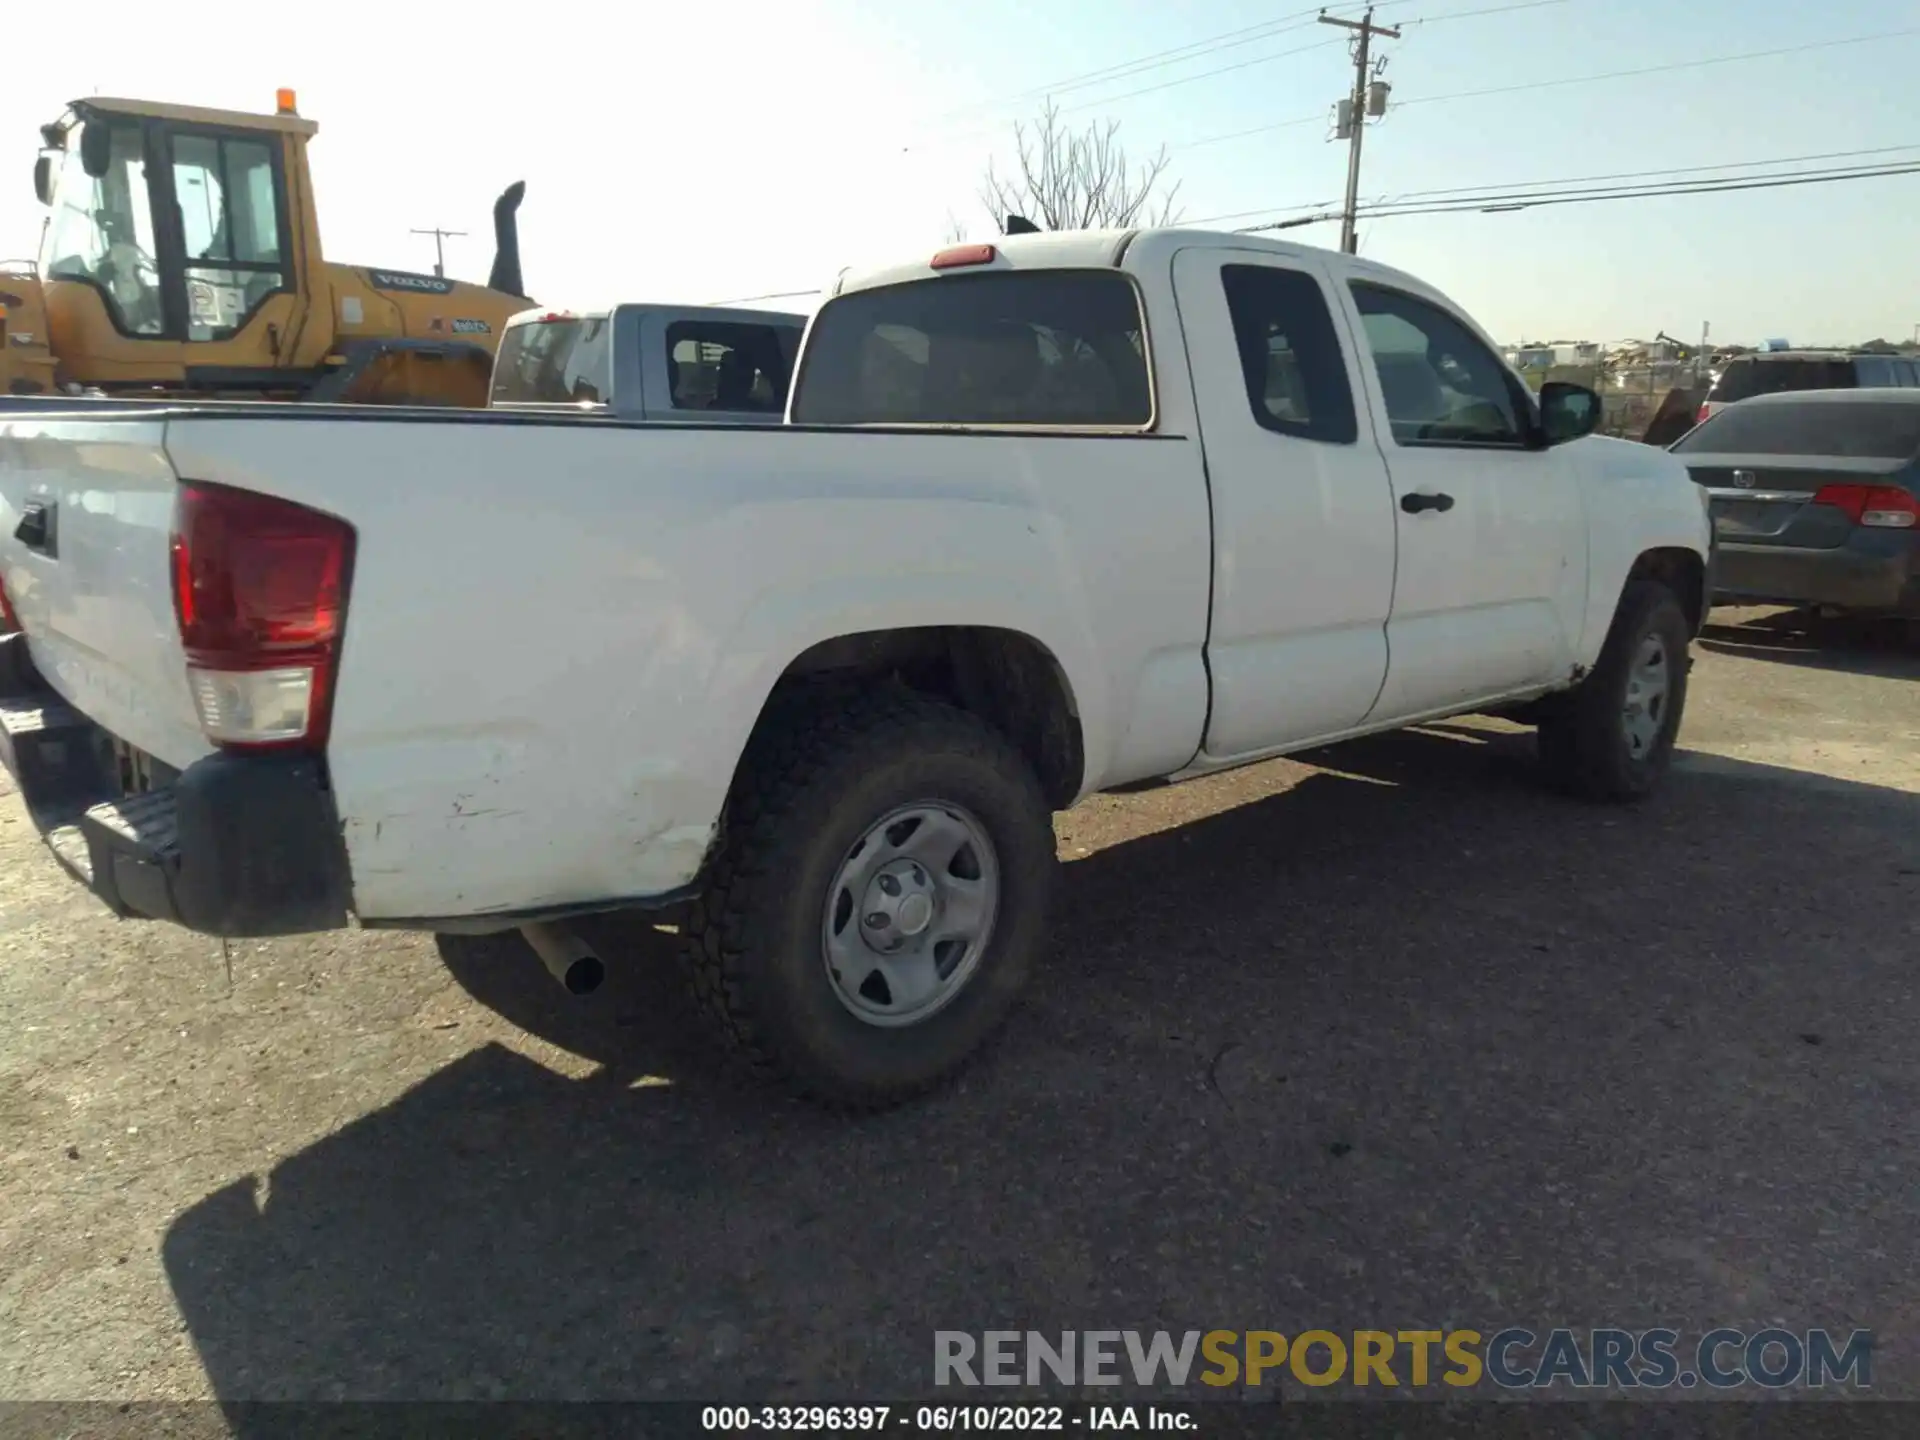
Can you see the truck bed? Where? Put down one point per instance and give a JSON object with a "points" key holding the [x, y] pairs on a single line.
{"points": [[561, 628]]}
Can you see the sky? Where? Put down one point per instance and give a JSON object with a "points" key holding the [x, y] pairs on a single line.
{"points": [[700, 153]]}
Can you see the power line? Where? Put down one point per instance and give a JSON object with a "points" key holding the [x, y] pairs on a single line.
{"points": [[1203, 75], [1298, 21], [1510, 186], [1490, 10], [1665, 69], [978, 132], [1154, 60], [775, 295], [1532, 85], [1503, 204]]}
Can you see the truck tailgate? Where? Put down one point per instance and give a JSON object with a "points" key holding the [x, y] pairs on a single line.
{"points": [[95, 595]]}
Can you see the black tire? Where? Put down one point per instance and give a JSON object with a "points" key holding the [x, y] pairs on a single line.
{"points": [[817, 777], [1583, 740]]}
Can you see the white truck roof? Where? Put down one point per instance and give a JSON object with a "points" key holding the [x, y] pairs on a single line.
{"points": [[1096, 249]]}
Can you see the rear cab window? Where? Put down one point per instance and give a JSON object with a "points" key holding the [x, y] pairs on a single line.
{"points": [[1051, 349], [1852, 429], [730, 366], [1749, 376], [555, 360]]}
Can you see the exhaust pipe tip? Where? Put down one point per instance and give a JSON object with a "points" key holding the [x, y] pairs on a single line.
{"points": [[568, 958], [583, 977]]}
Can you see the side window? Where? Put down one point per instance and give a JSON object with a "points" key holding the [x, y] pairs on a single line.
{"points": [[1875, 373], [101, 231], [230, 222], [1295, 372], [723, 366], [1441, 384], [1906, 372]]}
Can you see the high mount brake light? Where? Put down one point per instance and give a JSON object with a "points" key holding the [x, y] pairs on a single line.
{"points": [[260, 593], [964, 255]]}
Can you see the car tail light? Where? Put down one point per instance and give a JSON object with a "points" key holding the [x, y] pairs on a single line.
{"points": [[260, 592], [9, 622], [1883, 507], [1703, 414]]}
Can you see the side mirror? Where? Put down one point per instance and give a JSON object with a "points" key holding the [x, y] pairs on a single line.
{"points": [[96, 149], [1567, 412], [43, 179]]}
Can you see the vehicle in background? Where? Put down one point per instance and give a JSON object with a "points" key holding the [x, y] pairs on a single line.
{"points": [[1057, 514], [1815, 497], [1768, 372], [692, 363], [181, 256]]}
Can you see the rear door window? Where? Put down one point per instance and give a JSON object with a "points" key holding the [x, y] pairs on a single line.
{"points": [[1296, 374], [725, 365], [1745, 378], [1839, 429], [565, 360], [1057, 349]]}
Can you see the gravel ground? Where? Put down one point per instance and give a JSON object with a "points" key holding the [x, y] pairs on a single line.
{"points": [[1386, 1037]]}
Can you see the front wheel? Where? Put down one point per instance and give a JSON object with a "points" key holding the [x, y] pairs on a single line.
{"points": [[879, 898], [1612, 737]]}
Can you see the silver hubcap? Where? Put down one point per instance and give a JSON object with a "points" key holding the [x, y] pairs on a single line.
{"points": [[1649, 682], [910, 912]]}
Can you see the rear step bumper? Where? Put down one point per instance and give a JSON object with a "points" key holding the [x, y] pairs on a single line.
{"points": [[238, 845]]}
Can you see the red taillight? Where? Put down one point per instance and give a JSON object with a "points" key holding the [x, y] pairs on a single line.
{"points": [[260, 591], [963, 255], [9, 622], [1702, 415], [1881, 507]]}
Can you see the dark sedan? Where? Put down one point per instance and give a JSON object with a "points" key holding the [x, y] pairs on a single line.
{"points": [[1815, 497]]}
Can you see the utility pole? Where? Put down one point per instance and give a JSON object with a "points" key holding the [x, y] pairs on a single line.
{"points": [[1369, 98], [439, 247]]}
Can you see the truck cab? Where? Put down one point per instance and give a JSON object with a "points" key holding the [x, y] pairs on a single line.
{"points": [[688, 364]]}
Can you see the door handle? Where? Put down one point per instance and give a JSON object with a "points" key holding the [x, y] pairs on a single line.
{"points": [[1413, 504], [36, 528]]}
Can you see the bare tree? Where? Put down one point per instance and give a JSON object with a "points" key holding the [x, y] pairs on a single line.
{"points": [[1070, 179]]}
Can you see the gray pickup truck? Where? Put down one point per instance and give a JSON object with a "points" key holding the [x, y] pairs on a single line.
{"points": [[689, 363]]}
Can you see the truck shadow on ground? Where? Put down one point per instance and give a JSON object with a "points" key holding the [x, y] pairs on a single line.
{"points": [[1411, 1042], [1797, 637]]}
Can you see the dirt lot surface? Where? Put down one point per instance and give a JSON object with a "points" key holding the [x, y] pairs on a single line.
{"points": [[1385, 1038]]}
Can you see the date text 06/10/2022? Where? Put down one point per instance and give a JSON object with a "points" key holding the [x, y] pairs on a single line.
{"points": [[945, 1419]]}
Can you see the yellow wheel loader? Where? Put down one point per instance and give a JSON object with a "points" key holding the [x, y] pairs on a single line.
{"points": [[181, 257]]}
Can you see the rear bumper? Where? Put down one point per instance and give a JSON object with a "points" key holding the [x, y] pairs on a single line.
{"points": [[235, 846], [1873, 572]]}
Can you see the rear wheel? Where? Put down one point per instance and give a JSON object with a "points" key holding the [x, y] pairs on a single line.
{"points": [[879, 898], [1611, 738]]}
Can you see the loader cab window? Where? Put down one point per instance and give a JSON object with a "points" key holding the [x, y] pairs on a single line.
{"points": [[228, 193], [101, 231]]}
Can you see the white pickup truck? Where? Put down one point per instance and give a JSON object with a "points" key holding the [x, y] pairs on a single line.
{"points": [[1048, 517]]}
